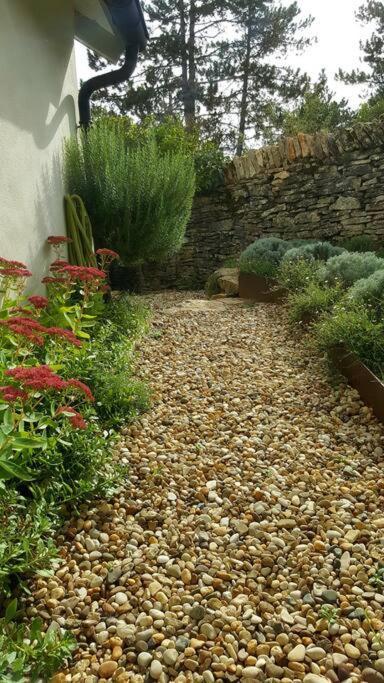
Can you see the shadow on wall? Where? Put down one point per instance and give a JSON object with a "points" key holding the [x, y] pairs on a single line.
{"points": [[37, 38], [45, 208]]}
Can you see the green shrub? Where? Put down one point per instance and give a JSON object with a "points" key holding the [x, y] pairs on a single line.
{"points": [[128, 314], [29, 652], [138, 196], [298, 274], [26, 544], [317, 251], [107, 363], [355, 329], [370, 293], [359, 243], [348, 268], [210, 162], [308, 304], [173, 138], [82, 464], [263, 256]]}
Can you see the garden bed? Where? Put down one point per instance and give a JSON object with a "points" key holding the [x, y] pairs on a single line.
{"points": [[260, 288], [361, 378]]}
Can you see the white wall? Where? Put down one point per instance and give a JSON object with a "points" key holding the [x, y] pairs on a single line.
{"points": [[38, 92]]}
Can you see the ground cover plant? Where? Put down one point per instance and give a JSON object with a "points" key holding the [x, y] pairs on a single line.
{"points": [[348, 268], [57, 429], [341, 297], [309, 303], [317, 251], [263, 256]]}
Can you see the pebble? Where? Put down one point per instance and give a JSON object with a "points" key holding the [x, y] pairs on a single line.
{"points": [[351, 651], [107, 669], [297, 654], [240, 546], [156, 669]]}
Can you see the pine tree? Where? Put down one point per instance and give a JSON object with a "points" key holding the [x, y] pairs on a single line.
{"points": [[216, 64], [317, 110], [250, 61], [372, 11], [171, 77]]}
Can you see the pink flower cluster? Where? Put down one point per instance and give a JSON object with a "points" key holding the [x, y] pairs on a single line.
{"points": [[13, 269]]}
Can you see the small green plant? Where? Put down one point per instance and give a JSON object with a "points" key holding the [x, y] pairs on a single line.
{"points": [[310, 303], [212, 286], [317, 251], [298, 274], [263, 256], [29, 652], [329, 613], [377, 579], [353, 328], [370, 293], [348, 268], [26, 544], [359, 243]]}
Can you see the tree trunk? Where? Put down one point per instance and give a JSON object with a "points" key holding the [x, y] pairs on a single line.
{"points": [[191, 101], [184, 61], [244, 93]]}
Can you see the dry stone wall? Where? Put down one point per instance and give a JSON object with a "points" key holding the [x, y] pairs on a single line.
{"points": [[328, 186]]}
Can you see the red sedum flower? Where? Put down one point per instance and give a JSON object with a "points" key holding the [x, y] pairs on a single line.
{"points": [[15, 272], [11, 394], [58, 239], [77, 384], [39, 378], [108, 253], [75, 418], [12, 264], [83, 273], [65, 334], [38, 302]]}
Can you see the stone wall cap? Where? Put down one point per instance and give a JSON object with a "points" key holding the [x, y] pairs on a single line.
{"points": [[321, 145]]}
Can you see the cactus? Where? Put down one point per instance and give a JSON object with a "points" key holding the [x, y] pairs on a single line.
{"points": [[80, 250]]}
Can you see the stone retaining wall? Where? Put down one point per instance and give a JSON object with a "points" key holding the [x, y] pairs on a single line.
{"points": [[311, 186]]}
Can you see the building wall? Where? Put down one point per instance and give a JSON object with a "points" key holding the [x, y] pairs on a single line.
{"points": [[38, 90], [323, 186]]}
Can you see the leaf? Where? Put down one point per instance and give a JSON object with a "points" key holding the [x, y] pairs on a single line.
{"points": [[21, 442], [11, 610], [8, 419], [67, 309], [83, 335], [10, 470], [35, 629]]}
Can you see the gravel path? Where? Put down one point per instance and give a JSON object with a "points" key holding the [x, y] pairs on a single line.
{"points": [[247, 544]]}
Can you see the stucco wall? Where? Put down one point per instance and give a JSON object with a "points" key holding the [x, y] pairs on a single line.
{"points": [[37, 111]]}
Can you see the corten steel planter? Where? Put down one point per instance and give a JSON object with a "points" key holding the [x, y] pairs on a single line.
{"points": [[259, 288], [361, 378]]}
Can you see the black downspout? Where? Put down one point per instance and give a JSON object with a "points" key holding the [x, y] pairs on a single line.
{"points": [[104, 81]]}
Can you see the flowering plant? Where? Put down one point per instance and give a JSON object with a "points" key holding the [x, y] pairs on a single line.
{"points": [[76, 292], [25, 425]]}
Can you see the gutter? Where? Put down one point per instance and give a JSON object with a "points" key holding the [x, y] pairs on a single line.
{"points": [[128, 20]]}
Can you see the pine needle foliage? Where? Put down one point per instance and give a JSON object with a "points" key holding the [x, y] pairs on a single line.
{"points": [[138, 196]]}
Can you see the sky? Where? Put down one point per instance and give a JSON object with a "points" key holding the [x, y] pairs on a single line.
{"points": [[338, 35]]}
